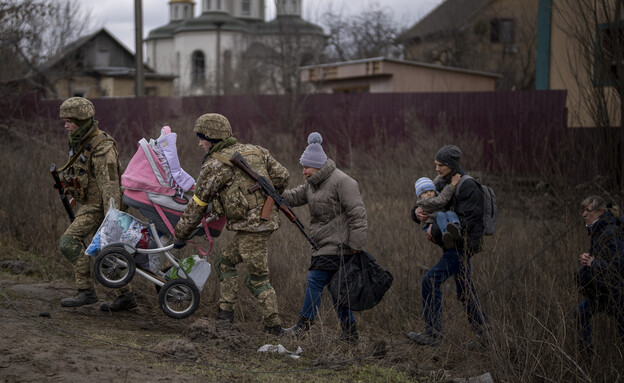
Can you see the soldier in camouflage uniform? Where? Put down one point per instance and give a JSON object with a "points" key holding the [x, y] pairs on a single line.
{"points": [[94, 163], [218, 177]]}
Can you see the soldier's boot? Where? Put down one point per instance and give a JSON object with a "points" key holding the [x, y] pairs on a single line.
{"points": [[301, 327], [349, 333], [225, 315], [275, 330], [83, 297], [123, 302]]}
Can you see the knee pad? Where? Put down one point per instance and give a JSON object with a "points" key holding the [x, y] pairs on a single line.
{"points": [[70, 247], [257, 278], [224, 275]]}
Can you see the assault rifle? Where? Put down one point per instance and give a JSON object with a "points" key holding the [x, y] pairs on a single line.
{"points": [[68, 204], [272, 196]]}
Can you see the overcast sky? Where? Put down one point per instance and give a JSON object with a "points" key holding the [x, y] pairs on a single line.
{"points": [[118, 15]]}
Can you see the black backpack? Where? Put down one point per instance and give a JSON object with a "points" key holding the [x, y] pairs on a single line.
{"points": [[490, 208]]}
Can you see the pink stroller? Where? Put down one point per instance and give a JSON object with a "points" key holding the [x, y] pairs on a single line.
{"points": [[159, 189]]}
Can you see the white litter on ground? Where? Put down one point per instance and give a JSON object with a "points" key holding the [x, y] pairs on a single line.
{"points": [[281, 350]]}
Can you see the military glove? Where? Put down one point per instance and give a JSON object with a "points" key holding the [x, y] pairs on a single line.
{"points": [[178, 243]]}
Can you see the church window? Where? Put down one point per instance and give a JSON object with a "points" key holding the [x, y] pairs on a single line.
{"points": [[175, 12], [198, 72], [219, 4], [207, 4], [245, 7]]}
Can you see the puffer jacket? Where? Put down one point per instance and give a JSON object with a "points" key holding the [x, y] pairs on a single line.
{"points": [[337, 216]]}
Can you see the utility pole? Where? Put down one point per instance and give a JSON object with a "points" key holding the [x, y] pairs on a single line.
{"points": [[139, 81], [218, 24]]}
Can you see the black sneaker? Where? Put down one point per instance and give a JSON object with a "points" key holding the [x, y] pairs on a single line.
{"points": [[122, 302], [455, 230], [447, 240], [301, 327], [425, 338], [83, 297]]}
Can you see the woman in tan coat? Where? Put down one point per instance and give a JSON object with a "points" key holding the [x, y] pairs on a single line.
{"points": [[337, 224]]}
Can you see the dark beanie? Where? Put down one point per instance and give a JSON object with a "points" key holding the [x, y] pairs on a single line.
{"points": [[449, 155]]}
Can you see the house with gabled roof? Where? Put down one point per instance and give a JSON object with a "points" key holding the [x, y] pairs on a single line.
{"points": [[96, 65], [496, 36]]}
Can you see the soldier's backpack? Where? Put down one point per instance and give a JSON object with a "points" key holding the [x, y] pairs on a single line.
{"points": [[490, 208]]}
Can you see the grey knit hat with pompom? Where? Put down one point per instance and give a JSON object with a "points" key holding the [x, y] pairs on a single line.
{"points": [[314, 156]]}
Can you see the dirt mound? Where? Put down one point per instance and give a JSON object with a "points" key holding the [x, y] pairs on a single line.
{"points": [[219, 333]]}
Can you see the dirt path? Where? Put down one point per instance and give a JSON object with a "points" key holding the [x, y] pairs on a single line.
{"points": [[43, 342]]}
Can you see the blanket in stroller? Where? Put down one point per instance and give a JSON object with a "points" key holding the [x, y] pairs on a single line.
{"points": [[156, 185]]}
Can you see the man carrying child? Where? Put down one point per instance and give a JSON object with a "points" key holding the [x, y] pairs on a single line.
{"points": [[439, 222], [455, 262]]}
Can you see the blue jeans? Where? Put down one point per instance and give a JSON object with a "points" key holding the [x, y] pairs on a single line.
{"points": [[443, 218], [452, 264], [317, 280], [584, 313]]}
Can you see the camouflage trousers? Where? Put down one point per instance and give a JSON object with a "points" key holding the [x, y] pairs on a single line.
{"points": [[250, 249], [85, 225]]}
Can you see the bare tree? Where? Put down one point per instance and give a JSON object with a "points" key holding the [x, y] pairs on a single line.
{"points": [[371, 33], [597, 67], [34, 31], [597, 63], [500, 39], [270, 65]]}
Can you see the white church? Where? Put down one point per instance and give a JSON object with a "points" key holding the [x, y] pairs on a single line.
{"points": [[231, 49]]}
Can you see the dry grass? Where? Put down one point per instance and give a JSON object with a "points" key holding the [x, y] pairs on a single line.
{"points": [[524, 276]]}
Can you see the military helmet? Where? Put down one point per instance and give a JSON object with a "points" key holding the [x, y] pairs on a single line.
{"points": [[213, 126], [77, 108]]}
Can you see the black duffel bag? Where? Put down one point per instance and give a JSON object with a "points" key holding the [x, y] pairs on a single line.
{"points": [[360, 283]]}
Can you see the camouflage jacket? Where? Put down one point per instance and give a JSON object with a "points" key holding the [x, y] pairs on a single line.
{"points": [[227, 187], [98, 171]]}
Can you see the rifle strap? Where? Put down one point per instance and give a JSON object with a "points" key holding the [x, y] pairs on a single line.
{"points": [[226, 160], [221, 158]]}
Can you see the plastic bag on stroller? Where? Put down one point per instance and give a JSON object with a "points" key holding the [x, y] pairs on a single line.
{"points": [[118, 227], [195, 267]]}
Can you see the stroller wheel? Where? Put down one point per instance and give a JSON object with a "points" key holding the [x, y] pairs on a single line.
{"points": [[114, 267], [179, 298]]}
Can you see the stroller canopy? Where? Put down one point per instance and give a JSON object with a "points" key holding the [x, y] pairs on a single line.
{"points": [[151, 172]]}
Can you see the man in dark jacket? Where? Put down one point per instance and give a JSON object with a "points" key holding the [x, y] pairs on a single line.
{"points": [[601, 274], [455, 262]]}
